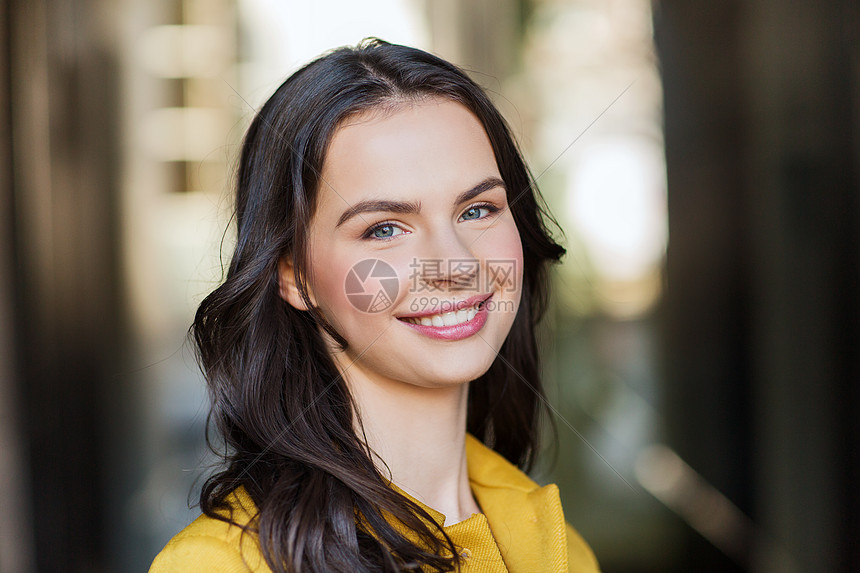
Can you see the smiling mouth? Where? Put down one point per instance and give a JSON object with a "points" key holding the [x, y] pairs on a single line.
{"points": [[446, 318], [449, 318]]}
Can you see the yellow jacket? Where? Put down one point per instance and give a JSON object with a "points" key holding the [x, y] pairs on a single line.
{"points": [[521, 529]]}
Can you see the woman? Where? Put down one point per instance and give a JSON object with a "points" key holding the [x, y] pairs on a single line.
{"points": [[389, 271]]}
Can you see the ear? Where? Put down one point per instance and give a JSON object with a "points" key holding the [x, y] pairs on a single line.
{"points": [[289, 290]]}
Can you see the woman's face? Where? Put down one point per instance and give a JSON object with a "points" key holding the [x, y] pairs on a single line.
{"points": [[415, 258]]}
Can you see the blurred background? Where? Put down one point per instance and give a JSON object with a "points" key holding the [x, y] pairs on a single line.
{"points": [[702, 352]]}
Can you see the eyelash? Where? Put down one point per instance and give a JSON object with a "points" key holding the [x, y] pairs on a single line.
{"points": [[368, 234], [491, 210]]}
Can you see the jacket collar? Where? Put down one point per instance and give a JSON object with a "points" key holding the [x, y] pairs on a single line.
{"points": [[526, 520]]}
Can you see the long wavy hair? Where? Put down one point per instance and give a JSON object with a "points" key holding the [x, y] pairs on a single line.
{"points": [[277, 398]]}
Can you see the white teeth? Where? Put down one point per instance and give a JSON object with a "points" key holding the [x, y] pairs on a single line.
{"points": [[446, 319]]}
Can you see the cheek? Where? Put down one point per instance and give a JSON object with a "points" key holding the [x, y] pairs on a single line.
{"points": [[328, 273], [353, 288], [503, 249], [512, 246]]}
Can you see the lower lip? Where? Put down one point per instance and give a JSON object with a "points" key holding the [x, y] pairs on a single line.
{"points": [[455, 332]]}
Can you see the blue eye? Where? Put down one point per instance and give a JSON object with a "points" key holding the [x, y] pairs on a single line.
{"points": [[478, 212], [472, 213], [383, 231]]}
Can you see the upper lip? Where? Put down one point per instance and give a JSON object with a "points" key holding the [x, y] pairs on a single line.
{"points": [[449, 306]]}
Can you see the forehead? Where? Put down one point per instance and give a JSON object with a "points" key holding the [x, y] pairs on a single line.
{"points": [[422, 149]]}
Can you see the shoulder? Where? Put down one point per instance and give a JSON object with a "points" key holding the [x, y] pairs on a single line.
{"points": [[212, 545]]}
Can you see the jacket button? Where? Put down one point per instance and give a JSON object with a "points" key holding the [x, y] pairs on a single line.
{"points": [[465, 553]]}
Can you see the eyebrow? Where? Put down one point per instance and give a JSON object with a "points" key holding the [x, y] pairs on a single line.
{"points": [[371, 206], [411, 207], [485, 185]]}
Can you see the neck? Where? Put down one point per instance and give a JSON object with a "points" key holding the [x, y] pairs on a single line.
{"points": [[419, 435]]}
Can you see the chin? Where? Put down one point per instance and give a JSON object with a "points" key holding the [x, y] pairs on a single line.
{"points": [[456, 377]]}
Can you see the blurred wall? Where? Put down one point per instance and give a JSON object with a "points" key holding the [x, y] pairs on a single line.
{"points": [[59, 78], [762, 311]]}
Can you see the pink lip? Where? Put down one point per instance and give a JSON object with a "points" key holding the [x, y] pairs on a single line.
{"points": [[458, 331], [460, 305]]}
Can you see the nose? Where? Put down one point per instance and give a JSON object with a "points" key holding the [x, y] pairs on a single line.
{"points": [[447, 264]]}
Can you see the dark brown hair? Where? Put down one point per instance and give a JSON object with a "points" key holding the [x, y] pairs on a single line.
{"points": [[278, 400]]}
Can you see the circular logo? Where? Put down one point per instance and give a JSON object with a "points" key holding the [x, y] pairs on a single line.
{"points": [[371, 285]]}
